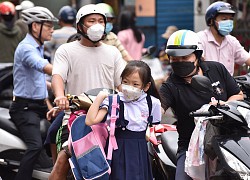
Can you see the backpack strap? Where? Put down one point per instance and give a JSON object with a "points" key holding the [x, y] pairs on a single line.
{"points": [[150, 117], [113, 111], [121, 122]]}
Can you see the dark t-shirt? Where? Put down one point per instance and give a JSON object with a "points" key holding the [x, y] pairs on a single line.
{"points": [[183, 98]]}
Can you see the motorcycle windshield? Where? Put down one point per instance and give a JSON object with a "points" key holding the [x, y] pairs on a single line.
{"points": [[238, 146], [245, 112]]}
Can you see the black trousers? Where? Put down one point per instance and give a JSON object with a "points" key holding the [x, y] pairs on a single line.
{"points": [[26, 115]]}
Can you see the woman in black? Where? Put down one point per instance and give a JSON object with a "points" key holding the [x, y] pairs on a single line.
{"points": [[177, 93]]}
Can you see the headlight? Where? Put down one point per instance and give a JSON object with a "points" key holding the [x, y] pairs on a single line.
{"points": [[236, 165]]}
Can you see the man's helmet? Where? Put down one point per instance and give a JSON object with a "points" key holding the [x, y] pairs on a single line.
{"points": [[183, 43], [67, 14], [216, 8], [108, 10], [38, 14], [89, 9], [7, 8], [25, 5]]}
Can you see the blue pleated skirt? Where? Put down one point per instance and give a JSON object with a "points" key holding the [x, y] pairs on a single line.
{"points": [[131, 160]]}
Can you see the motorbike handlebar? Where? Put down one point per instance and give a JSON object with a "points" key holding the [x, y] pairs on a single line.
{"points": [[202, 114]]}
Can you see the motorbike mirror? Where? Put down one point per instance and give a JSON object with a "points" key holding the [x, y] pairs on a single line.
{"points": [[201, 83], [149, 52], [95, 92]]}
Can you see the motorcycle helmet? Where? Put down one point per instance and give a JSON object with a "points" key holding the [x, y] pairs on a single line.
{"points": [[25, 5], [7, 8], [184, 42], [108, 10], [38, 14], [89, 9], [67, 14], [216, 8]]}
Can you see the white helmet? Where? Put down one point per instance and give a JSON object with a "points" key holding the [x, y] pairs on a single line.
{"points": [[38, 14], [184, 42], [89, 9], [25, 5]]}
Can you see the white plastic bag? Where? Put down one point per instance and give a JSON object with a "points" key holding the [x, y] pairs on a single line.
{"points": [[195, 157]]}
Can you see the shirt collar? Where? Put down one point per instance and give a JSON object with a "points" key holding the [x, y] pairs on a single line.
{"points": [[210, 38], [32, 41]]}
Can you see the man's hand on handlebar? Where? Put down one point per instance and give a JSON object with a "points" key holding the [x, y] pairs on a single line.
{"points": [[62, 102]]}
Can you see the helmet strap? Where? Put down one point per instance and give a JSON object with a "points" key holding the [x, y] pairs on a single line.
{"points": [[40, 35]]}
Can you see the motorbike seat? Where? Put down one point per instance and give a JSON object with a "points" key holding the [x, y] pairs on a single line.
{"points": [[6, 124], [169, 141]]}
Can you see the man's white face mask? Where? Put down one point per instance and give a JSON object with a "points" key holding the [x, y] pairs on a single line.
{"points": [[95, 32]]}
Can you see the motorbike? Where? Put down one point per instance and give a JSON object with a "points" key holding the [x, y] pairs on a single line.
{"points": [[232, 145], [244, 84], [12, 149], [162, 150]]}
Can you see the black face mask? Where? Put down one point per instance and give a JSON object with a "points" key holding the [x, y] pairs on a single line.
{"points": [[183, 69]]}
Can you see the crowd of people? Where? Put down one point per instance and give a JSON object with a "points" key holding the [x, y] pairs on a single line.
{"points": [[84, 54]]}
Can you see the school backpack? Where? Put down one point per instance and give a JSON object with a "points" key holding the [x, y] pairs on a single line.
{"points": [[87, 143]]}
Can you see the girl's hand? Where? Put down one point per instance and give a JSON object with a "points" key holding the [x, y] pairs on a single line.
{"points": [[52, 113], [102, 95]]}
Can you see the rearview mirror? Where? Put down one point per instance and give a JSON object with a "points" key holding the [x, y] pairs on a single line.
{"points": [[201, 83]]}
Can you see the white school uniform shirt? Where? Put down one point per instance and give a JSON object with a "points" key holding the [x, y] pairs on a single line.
{"points": [[137, 112]]}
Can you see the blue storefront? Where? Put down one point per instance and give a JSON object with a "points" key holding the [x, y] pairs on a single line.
{"points": [[167, 12]]}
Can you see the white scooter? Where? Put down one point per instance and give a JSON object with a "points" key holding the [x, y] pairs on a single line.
{"points": [[12, 149]]}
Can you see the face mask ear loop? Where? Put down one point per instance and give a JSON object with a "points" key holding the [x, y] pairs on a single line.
{"points": [[85, 35], [216, 28]]}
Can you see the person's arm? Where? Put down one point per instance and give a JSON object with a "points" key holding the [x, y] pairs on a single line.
{"points": [[167, 97], [95, 114], [248, 62], [48, 69], [235, 97], [58, 90], [127, 57], [231, 87]]}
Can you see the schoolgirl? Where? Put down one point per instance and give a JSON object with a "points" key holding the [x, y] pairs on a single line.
{"points": [[139, 106]]}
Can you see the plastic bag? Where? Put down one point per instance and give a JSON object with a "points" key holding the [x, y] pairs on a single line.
{"points": [[195, 156]]}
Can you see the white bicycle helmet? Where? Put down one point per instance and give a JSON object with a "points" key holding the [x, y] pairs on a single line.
{"points": [[25, 5], [38, 14], [182, 43], [89, 9]]}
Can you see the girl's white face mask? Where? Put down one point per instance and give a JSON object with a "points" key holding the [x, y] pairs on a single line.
{"points": [[131, 93], [95, 32]]}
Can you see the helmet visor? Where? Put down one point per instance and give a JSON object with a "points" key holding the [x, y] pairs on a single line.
{"points": [[179, 50], [227, 9]]}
